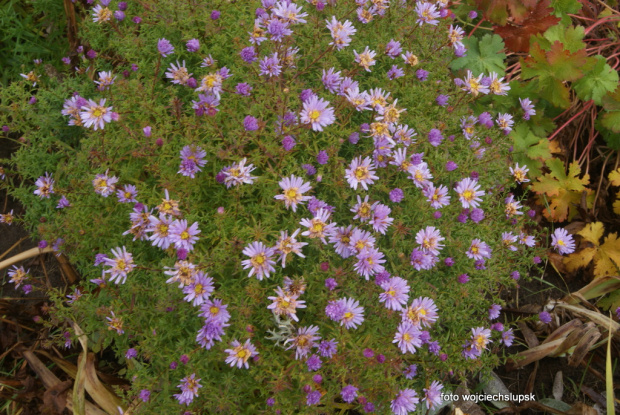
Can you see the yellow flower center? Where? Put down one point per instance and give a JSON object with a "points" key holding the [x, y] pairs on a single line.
{"points": [[314, 115], [467, 195], [185, 235], [361, 173], [259, 259]]}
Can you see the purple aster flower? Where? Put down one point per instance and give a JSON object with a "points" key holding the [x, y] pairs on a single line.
{"points": [[494, 311], [121, 265], [317, 378], [410, 371], [127, 194], [278, 29], [164, 47], [314, 363], [395, 72], [309, 168], [63, 203], [331, 284], [450, 166], [271, 402], [368, 353], [395, 293], [369, 262], [527, 107], [192, 45], [250, 123], [472, 14], [137, 20], [313, 398], [119, 15], [508, 337], [477, 215], [485, 119], [288, 142], [405, 401], [421, 74], [91, 54], [408, 337], [243, 89], [260, 260], [131, 353], [322, 157], [215, 14], [189, 389], [145, 395], [397, 195], [435, 137], [442, 100], [182, 235], [393, 49], [349, 393], [354, 138], [562, 241], [328, 348], [240, 354], [380, 358], [248, 54], [317, 112], [545, 317], [331, 80], [66, 60], [270, 65], [122, 5], [432, 395], [369, 407]]}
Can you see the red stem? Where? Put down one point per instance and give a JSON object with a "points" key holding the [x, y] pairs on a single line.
{"points": [[475, 27], [585, 107]]}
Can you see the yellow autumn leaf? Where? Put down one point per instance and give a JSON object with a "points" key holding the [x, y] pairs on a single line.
{"points": [[614, 177], [603, 265], [617, 205], [592, 232], [611, 247], [579, 259]]}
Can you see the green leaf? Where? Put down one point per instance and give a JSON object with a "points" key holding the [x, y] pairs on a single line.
{"points": [[571, 37], [564, 7], [529, 149], [612, 301], [597, 82], [611, 121], [554, 91], [611, 139], [483, 56]]}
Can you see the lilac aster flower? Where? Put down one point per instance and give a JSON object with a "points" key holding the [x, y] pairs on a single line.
{"points": [[127, 194], [199, 290], [260, 260], [96, 115], [478, 250], [331, 284], [353, 313], [451, 166], [354, 138], [270, 65], [240, 354], [250, 123], [317, 112], [131, 353], [121, 265], [368, 353], [309, 168], [361, 172], [322, 157], [442, 100], [422, 312], [395, 293], [562, 241], [215, 14], [182, 235], [248, 54], [432, 395], [494, 311], [410, 371], [429, 240], [369, 262], [331, 80], [545, 317], [288, 142], [328, 348], [421, 74], [527, 107], [393, 49], [397, 195], [164, 47], [508, 337], [435, 137], [304, 341], [395, 72], [469, 192], [314, 363], [243, 89], [313, 398], [192, 160], [477, 215], [45, 186], [405, 402], [349, 393], [408, 337]]}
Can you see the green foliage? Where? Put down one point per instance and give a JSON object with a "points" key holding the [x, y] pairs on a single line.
{"points": [[530, 149], [597, 82], [483, 56]]}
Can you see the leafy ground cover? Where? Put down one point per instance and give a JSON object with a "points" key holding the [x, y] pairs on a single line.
{"points": [[273, 205]]}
